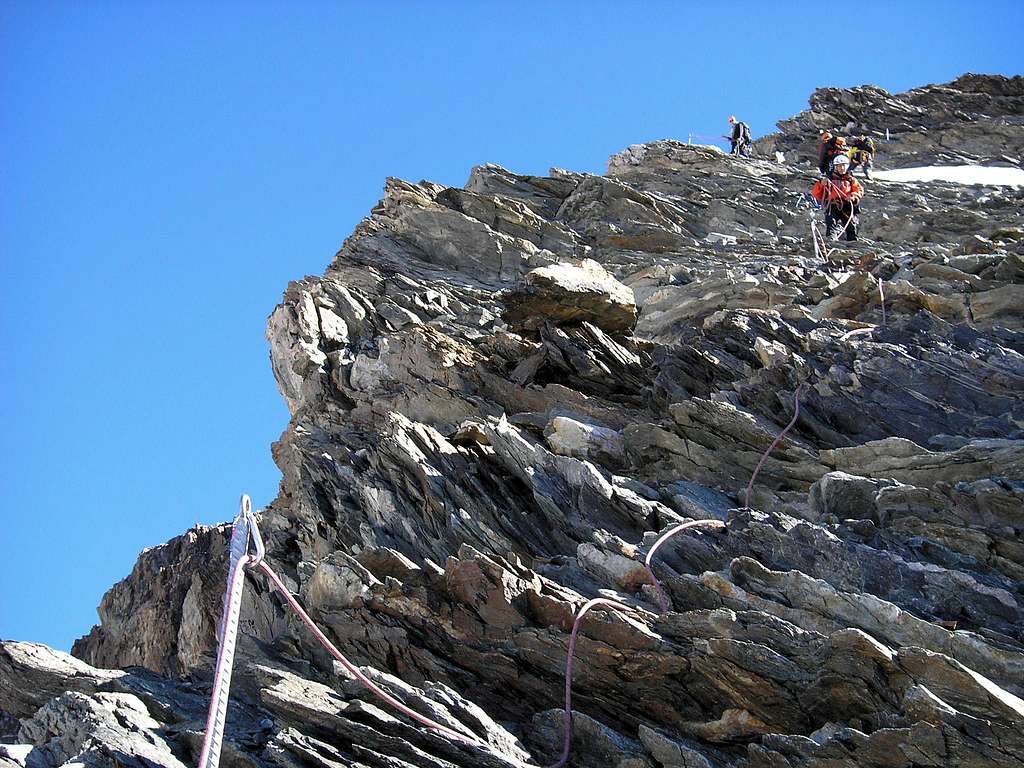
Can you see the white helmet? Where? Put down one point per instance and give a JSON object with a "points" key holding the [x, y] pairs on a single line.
{"points": [[840, 160]]}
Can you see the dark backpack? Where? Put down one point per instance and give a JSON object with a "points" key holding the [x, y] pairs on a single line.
{"points": [[745, 133]]}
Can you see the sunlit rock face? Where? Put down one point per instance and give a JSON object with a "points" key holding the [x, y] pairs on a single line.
{"points": [[502, 395]]}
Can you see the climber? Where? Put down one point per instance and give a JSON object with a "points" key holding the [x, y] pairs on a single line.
{"points": [[823, 142], [862, 152], [840, 194], [740, 138], [830, 147]]}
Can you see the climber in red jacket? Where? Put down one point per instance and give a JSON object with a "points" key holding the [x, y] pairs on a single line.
{"points": [[840, 194]]}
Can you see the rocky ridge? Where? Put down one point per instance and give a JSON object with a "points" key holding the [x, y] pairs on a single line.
{"points": [[502, 394]]}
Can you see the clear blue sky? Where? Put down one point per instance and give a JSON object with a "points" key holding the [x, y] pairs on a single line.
{"points": [[167, 168]]}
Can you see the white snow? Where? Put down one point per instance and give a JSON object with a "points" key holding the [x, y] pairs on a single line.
{"points": [[958, 174]]}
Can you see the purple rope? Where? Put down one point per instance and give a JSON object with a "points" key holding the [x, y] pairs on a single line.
{"points": [[663, 600], [567, 740], [775, 442]]}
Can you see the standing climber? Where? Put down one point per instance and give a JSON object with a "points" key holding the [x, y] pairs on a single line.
{"points": [[862, 152], [823, 141], [840, 194], [740, 138], [830, 147]]}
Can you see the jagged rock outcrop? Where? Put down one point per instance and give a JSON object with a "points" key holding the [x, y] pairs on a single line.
{"points": [[502, 395], [974, 119]]}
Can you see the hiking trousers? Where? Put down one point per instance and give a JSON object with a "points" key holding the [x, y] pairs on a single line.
{"points": [[836, 217]]}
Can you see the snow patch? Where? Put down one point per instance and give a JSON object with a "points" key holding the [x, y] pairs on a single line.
{"points": [[958, 174]]}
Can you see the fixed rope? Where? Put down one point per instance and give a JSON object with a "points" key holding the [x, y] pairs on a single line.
{"points": [[247, 553], [352, 669], [244, 534], [881, 297], [567, 736], [775, 442], [663, 600]]}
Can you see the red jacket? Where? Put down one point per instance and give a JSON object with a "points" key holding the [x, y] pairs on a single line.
{"points": [[837, 190]]}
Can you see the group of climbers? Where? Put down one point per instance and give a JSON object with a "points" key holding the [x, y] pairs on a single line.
{"points": [[837, 191], [860, 153]]}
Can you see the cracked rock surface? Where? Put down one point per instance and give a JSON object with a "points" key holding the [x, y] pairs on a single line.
{"points": [[502, 395]]}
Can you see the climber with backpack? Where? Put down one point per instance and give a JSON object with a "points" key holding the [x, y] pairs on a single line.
{"points": [[840, 195], [741, 138], [830, 147], [862, 152]]}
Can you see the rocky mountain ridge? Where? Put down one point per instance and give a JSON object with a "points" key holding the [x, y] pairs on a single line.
{"points": [[501, 395]]}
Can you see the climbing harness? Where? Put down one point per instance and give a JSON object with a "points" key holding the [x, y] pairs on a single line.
{"points": [[826, 201]]}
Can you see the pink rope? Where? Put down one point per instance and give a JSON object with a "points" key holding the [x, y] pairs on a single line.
{"points": [[662, 597], [247, 562], [356, 672], [567, 739], [775, 442]]}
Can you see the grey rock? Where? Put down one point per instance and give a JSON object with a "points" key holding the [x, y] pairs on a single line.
{"points": [[846, 496], [568, 293], [502, 395]]}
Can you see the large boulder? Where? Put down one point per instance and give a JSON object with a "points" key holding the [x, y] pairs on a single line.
{"points": [[571, 294]]}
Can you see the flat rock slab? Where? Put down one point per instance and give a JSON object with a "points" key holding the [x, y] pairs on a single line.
{"points": [[571, 294]]}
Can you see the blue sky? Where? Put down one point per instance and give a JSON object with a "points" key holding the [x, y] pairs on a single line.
{"points": [[167, 168]]}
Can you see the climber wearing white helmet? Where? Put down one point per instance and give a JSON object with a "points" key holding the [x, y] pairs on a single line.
{"points": [[840, 194]]}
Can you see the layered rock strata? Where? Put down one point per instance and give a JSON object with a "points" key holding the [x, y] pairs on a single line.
{"points": [[502, 394]]}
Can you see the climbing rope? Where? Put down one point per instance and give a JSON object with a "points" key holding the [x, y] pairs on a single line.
{"points": [[775, 442], [856, 332], [247, 552], [244, 534], [881, 297], [356, 672], [567, 737], [662, 597]]}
